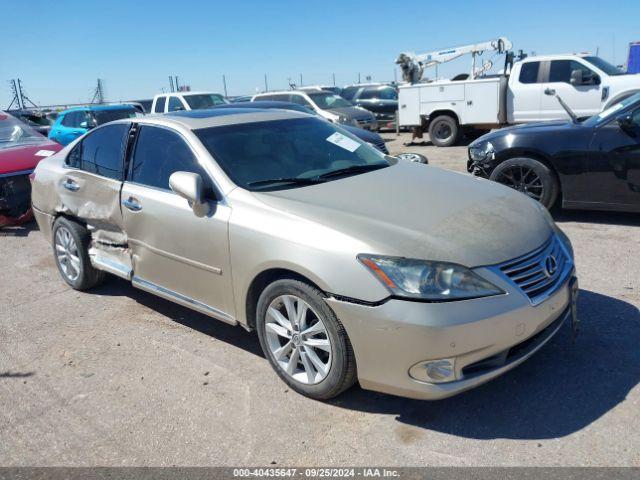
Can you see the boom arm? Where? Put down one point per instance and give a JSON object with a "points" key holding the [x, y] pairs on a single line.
{"points": [[424, 60]]}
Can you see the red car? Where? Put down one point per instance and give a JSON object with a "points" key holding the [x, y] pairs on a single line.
{"points": [[21, 148]]}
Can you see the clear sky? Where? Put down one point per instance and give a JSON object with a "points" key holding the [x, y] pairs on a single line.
{"points": [[59, 48]]}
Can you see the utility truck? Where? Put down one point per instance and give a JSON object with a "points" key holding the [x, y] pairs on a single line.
{"points": [[523, 92]]}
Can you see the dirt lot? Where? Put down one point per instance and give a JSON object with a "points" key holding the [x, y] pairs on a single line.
{"points": [[119, 377]]}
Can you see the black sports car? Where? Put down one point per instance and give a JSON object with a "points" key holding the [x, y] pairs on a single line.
{"points": [[591, 163]]}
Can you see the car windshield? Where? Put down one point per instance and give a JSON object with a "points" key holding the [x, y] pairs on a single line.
{"points": [[606, 114], [104, 116], [603, 65], [327, 100], [204, 100], [14, 133], [290, 153]]}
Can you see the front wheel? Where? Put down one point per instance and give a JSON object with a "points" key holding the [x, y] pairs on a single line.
{"points": [[528, 176], [304, 341], [444, 131]]}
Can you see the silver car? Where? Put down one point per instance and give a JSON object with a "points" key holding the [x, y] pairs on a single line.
{"points": [[350, 265]]}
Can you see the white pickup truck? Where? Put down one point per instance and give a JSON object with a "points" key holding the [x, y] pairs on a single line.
{"points": [[448, 108]]}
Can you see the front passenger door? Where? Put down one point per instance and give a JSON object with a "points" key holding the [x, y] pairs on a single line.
{"points": [[176, 255], [615, 162]]}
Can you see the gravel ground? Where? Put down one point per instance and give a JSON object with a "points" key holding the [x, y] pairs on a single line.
{"points": [[119, 377]]}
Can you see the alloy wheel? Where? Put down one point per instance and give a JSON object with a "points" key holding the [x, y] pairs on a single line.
{"points": [[67, 254], [298, 340], [522, 179]]}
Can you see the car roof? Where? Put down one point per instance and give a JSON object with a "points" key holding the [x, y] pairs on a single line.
{"points": [[215, 117], [559, 56], [266, 104], [187, 93]]}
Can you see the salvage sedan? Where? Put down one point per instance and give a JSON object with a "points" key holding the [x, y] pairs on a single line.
{"points": [[592, 163], [21, 148], [289, 225]]}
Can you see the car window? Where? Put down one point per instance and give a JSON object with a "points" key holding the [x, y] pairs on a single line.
{"points": [[101, 151], [378, 93], [560, 70], [300, 100], [160, 105], [201, 101], [255, 155], [529, 72], [159, 153], [328, 100], [175, 104], [349, 92], [72, 119], [106, 116], [280, 97]]}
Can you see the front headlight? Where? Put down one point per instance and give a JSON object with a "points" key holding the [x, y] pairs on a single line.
{"points": [[482, 152], [427, 280]]}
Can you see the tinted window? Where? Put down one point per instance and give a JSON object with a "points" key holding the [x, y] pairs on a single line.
{"points": [[529, 72], [204, 100], [561, 70], [175, 104], [72, 119], [300, 100], [101, 151], [306, 148], [105, 116], [280, 97], [159, 153], [349, 92], [327, 100], [160, 104], [378, 93]]}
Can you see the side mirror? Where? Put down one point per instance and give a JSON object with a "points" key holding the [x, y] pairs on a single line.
{"points": [[190, 187], [576, 77], [625, 121]]}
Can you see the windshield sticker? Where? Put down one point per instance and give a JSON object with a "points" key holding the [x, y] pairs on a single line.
{"points": [[345, 142], [611, 110], [44, 153]]}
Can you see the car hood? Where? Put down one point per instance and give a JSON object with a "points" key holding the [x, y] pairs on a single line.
{"points": [[352, 112], [413, 210], [25, 157]]}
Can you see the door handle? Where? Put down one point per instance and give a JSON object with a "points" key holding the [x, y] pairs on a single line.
{"points": [[71, 185], [132, 204]]}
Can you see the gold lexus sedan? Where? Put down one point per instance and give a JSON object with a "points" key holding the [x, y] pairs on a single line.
{"points": [[351, 265]]}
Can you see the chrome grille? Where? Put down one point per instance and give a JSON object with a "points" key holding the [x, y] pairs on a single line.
{"points": [[539, 272]]}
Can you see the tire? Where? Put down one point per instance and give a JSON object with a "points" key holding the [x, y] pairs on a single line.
{"points": [[528, 176], [324, 365], [71, 254], [444, 131]]}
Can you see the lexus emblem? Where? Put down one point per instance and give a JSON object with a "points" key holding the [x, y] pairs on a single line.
{"points": [[550, 265]]}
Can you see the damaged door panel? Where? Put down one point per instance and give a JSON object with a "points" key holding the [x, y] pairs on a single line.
{"points": [[176, 254], [89, 188]]}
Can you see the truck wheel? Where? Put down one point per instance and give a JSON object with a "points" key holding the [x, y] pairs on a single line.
{"points": [[529, 176], [303, 340], [444, 131], [71, 253]]}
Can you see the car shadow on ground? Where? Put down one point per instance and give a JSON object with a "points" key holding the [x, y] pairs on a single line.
{"points": [[233, 335], [561, 389], [19, 230], [599, 217]]}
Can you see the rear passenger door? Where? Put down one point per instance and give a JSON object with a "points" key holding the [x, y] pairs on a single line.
{"points": [[90, 188], [176, 255]]}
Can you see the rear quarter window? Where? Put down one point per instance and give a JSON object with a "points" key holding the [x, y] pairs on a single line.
{"points": [[101, 151], [159, 108], [529, 72]]}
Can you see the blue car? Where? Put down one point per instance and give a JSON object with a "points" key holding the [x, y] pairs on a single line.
{"points": [[75, 122]]}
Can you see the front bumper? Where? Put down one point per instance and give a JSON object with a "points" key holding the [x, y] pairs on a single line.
{"points": [[390, 338]]}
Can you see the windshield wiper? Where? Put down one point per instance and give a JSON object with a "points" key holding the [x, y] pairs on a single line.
{"points": [[294, 180], [353, 169]]}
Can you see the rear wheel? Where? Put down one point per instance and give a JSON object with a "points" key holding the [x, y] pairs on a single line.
{"points": [[529, 176], [71, 252], [444, 131], [303, 340]]}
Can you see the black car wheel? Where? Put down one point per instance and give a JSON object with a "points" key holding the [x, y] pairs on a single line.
{"points": [[529, 176], [444, 131]]}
